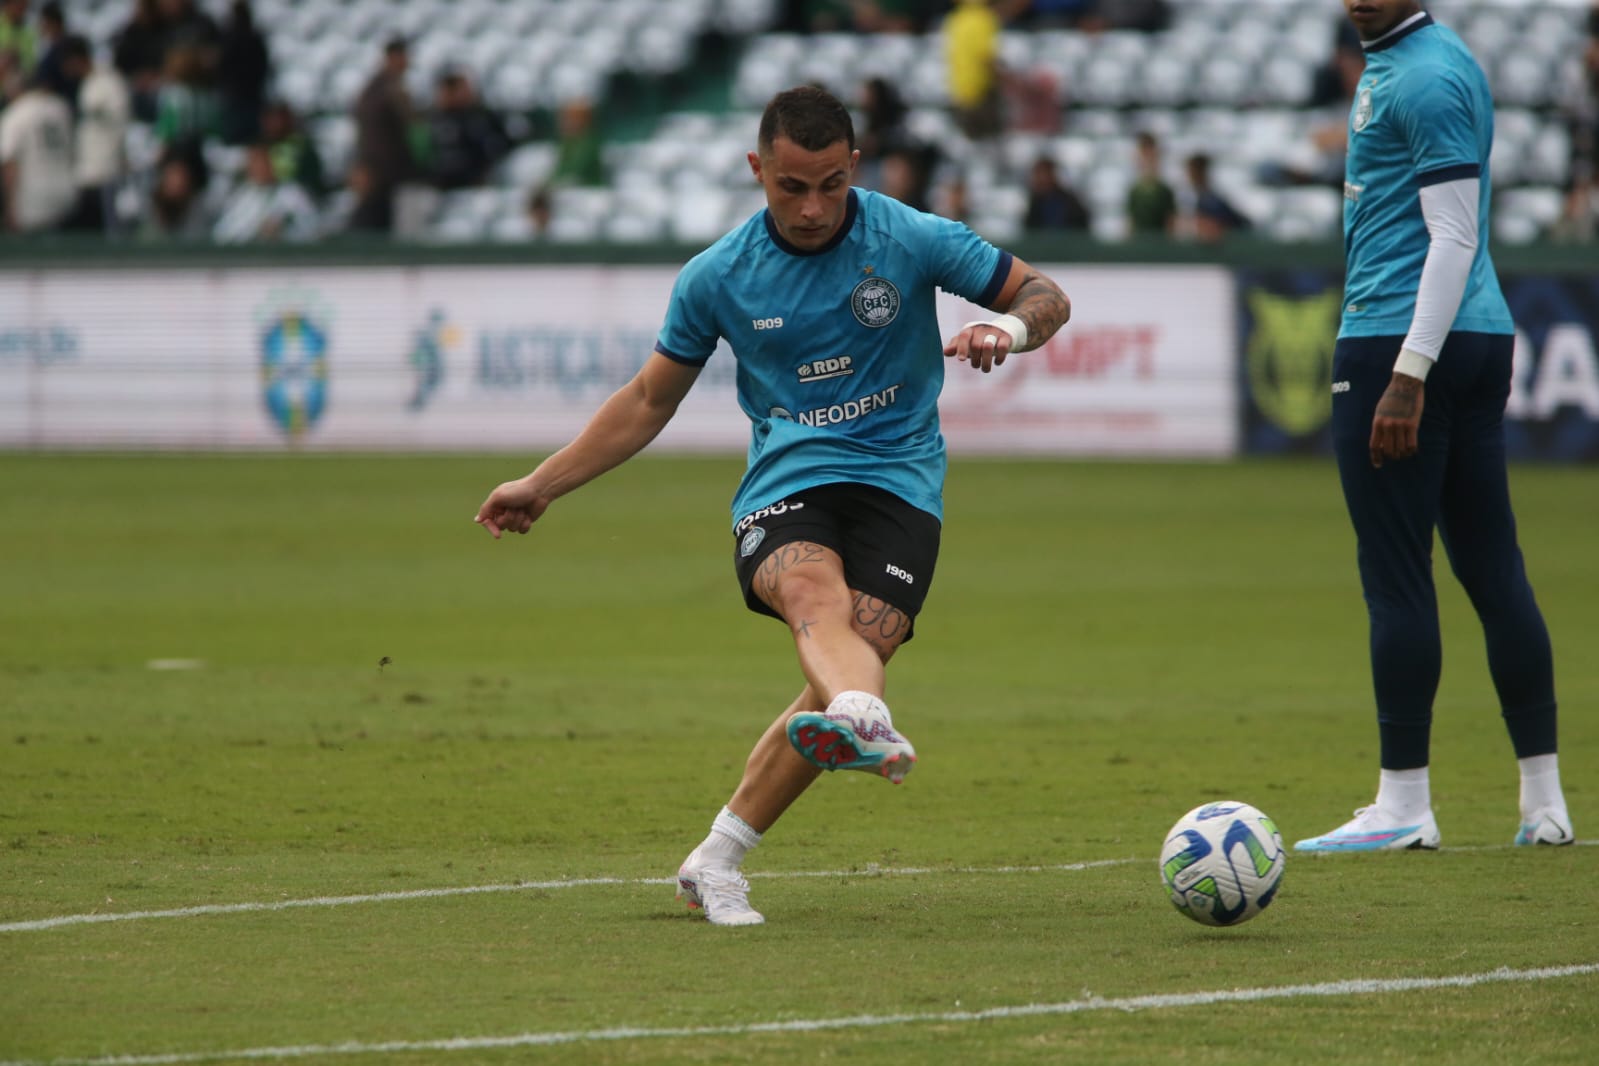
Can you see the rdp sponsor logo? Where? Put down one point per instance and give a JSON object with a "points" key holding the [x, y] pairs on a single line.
{"points": [[1103, 351], [823, 369], [45, 346]]}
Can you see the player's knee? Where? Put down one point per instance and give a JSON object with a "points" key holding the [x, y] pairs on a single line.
{"points": [[807, 596]]}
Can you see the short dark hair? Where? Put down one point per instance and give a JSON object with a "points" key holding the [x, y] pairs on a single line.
{"points": [[808, 115]]}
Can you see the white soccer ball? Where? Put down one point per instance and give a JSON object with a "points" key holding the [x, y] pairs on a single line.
{"points": [[1222, 863]]}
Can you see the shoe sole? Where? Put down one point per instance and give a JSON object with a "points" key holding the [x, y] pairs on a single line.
{"points": [[831, 745], [1328, 846]]}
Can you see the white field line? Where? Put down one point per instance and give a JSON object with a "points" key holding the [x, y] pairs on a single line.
{"points": [[202, 910], [1326, 989], [207, 909]]}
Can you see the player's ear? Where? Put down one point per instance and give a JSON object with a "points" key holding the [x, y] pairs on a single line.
{"points": [[755, 164], [854, 158]]}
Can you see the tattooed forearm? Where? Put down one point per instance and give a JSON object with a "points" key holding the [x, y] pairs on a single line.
{"points": [[1042, 307], [880, 623], [785, 558], [1401, 399], [803, 628]]}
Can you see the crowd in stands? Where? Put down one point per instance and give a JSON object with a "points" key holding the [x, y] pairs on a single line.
{"points": [[200, 86]]}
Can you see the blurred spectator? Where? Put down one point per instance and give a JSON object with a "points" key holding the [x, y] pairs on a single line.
{"points": [[263, 208], [186, 107], [294, 154], [140, 51], [1151, 204], [175, 211], [1051, 203], [52, 30], [1211, 217], [1055, 14], [186, 24], [104, 111], [893, 16], [1319, 159], [905, 177], [883, 112], [952, 200], [36, 160], [338, 215], [1579, 100], [578, 160], [465, 138], [1579, 215], [971, 57], [538, 213], [19, 48], [383, 121], [243, 71], [1144, 16]]}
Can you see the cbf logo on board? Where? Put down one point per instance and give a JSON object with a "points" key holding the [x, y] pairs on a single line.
{"points": [[294, 360], [875, 302]]}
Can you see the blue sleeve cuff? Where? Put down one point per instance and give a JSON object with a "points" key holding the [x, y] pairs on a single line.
{"points": [[661, 349], [997, 282], [1454, 173]]}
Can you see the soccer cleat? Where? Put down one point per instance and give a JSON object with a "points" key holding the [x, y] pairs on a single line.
{"points": [[853, 734], [1546, 825], [720, 891], [1371, 830]]}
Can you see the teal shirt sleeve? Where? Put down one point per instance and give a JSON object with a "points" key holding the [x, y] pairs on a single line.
{"points": [[1436, 113], [689, 334], [962, 262]]}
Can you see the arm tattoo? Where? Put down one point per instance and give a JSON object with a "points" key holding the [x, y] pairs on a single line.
{"points": [[1042, 307], [804, 627], [783, 558], [880, 623], [1399, 399]]}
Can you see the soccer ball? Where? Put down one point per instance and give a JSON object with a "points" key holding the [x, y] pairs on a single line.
{"points": [[1222, 863]]}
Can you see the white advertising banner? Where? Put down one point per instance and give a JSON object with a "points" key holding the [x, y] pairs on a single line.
{"points": [[497, 358]]}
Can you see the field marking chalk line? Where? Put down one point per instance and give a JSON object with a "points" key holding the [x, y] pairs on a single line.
{"points": [[1130, 1004], [207, 909]]}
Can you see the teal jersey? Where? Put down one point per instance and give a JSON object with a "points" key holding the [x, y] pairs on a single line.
{"points": [[840, 358], [1422, 115]]}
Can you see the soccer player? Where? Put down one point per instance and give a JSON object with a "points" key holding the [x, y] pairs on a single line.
{"points": [[1424, 319], [826, 298]]}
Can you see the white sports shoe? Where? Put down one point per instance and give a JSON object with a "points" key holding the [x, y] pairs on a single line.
{"points": [[854, 733], [1546, 825], [1371, 830], [720, 890]]}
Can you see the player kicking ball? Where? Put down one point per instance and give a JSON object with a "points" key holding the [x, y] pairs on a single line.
{"points": [[826, 299]]}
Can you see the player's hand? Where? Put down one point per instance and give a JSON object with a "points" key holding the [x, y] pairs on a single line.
{"points": [[1397, 425], [985, 347], [512, 508]]}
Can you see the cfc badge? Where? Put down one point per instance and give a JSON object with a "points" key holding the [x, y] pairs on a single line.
{"points": [[751, 541], [875, 302]]}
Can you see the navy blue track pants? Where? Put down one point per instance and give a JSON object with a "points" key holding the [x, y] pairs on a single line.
{"points": [[1457, 483]]}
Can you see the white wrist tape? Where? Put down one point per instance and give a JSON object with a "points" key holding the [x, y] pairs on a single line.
{"points": [[1010, 324], [1412, 364]]}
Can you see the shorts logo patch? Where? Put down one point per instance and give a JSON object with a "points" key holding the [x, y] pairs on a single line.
{"points": [[875, 302], [751, 541]]}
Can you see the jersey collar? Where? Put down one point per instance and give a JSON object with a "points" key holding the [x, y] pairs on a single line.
{"points": [[1398, 33], [834, 241]]}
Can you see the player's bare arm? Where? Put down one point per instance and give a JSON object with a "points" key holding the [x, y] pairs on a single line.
{"points": [[1032, 309], [632, 417], [1396, 427]]}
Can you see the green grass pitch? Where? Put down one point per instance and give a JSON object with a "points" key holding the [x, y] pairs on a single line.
{"points": [[1105, 646]]}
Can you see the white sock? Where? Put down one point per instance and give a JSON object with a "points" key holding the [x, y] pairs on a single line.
{"points": [[1404, 794], [1540, 783], [730, 839], [856, 702]]}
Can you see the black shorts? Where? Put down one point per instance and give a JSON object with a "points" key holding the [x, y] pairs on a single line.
{"points": [[889, 548]]}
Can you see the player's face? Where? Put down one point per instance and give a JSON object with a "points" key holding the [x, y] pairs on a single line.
{"points": [[1373, 18], [807, 192]]}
